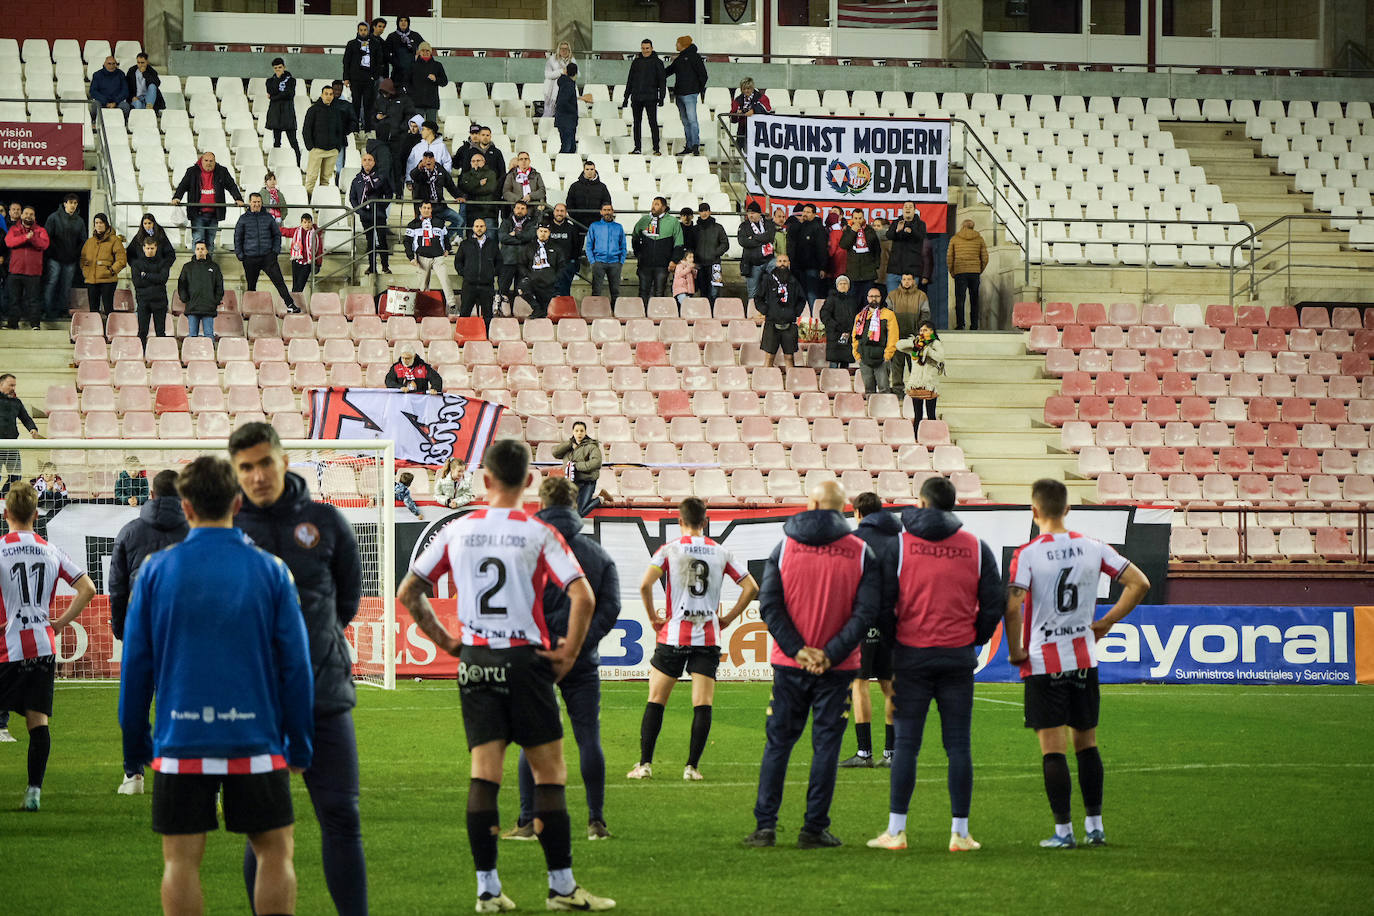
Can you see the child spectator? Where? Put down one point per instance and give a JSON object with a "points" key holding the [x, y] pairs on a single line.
{"points": [[403, 482], [307, 251], [685, 279], [453, 485]]}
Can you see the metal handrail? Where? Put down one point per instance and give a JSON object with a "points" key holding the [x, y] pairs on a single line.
{"points": [[1362, 512], [1252, 241]]}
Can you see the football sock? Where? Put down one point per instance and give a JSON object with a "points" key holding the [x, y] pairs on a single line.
{"points": [[561, 881], [488, 883], [864, 732], [889, 739], [1091, 823], [554, 830], [903, 780], [701, 729], [648, 731], [484, 824], [896, 823], [1058, 787], [960, 780], [40, 743], [959, 825], [1090, 780]]}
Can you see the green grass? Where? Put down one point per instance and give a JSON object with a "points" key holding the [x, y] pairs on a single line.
{"points": [[1220, 799]]}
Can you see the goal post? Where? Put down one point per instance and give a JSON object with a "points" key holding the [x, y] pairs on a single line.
{"points": [[91, 488]]}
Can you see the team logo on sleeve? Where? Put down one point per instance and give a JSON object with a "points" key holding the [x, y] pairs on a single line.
{"points": [[307, 535]]}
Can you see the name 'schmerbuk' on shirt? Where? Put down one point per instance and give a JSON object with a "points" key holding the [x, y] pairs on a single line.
{"points": [[1060, 573], [500, 561], [695, 569], [30, 569]]}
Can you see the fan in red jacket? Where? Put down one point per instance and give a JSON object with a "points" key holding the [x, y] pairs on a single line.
{"points": [[412, 374], [27, 241]]}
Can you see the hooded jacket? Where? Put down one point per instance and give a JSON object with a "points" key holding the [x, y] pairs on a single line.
{"points": [[647, 80], [968, 253], [281, 102], [149, 279], [401, 48], [949, 591], [102, 258], [606, 242], [712, 242], [838, 314], [396, 111], [353, 68], [602, 576], [159, 525], [585, 198], [882, 533], [319, 548], [689, 70], [906, 255], [585, 456], [821, 587], [201, 286], [66, 235]]}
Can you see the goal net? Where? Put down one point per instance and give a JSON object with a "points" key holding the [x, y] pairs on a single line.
{"points": [[90, 489]]}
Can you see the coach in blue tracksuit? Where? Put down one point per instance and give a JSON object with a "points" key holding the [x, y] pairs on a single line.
{"points": [[581, 686], [215, 630], [318, 546]]}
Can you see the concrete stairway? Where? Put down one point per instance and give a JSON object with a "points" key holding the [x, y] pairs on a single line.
{"points": [[37, 359]]}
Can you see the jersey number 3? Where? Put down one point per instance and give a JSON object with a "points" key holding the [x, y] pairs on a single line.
{"points": [[698, 573], [484, 605]]}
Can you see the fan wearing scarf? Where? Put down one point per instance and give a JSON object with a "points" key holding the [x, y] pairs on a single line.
{"points": [[540, 263], [875, 341], [783, 302]]}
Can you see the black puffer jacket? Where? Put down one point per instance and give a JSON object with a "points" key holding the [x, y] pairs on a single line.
{"points": [[838, 316], [602, 576], [149, 277], [906, 256], [317, 544], [256, 235], [647, 81], [66, 234], [690, 71], [159, 525], [883, 534]]}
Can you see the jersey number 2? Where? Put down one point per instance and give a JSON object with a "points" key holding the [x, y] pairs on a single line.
{"points": [[484, 605], [1065, 593], [21, 573]]}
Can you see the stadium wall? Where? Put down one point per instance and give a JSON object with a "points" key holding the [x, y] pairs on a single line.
{"points": [[113, 20]]}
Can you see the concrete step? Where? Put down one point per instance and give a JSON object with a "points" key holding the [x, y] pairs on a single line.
{"points": [[963, 416], [993, 444], [1027, 394], [996, 368], [982, 343], [1021, 470]]}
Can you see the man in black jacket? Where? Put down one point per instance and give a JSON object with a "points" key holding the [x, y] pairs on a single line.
{"points": [[145, 86], [476, 263], [363, 59], [908, 236], [690, 71], [66, 235], [581, 687], [323, 135], [428, 182], [12, 414], [369, 186], [783, 302], [149, 271], [711, 245], [205, 206], [563, 237], [586, 196], [808, 246], [881, 531], [160, 524], [645, 89], [390, 118], [317, 544], [539, 264], [517, 231], [755, 236], [257, 242], [412, 374]]}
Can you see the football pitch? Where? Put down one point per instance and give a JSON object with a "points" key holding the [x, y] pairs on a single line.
{"points": [[1219, 799]]}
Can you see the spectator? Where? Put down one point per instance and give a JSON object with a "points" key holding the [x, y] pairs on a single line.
{"points": [[307, 251], [835, 227], [582, 465], [103, 258], [523, 182], [379, 33], [540, 265], [453, 484], [403, 482], [562, 236], [606, 252], [816, 634], [862, 253], [159, 525], [755, 236], [109, 88], [645, 88], [463, 153], [148, 228], [366, 194], [52, 494], [586, 196], [838, 313], [554, 68], [689, 231], [12, 414], [430, 142], [348, 114], [807, 247], [927, 365], [480, 143], [281, 107], [428, 182], [201, 287], [780, 231], [411, 374], [66, 230], [748, 101], [131, 486], [207, 183], [427, 76], [145, 86], [517, 231], [908, 236], [875, 341], [402, 45], [711, 246], [364, 58], [565, 110], [927, 265], [323, 135], [27, 241], [149, 272], [657, 245], [912, 309], [690, 83], [880, 227], [425, 246], [783, 302], [480, 186], [257, 242], [476, 262], [273, 200], [685, 279], [391, 119], [967, 258]]}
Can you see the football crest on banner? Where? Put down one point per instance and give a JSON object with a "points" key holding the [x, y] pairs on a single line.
{"points": [[735, 9], [849, 179], [307, 535]]}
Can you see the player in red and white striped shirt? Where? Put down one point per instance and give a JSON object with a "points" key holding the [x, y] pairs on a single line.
{"points": [[689, 631], [30, 568], [1056, 577]]}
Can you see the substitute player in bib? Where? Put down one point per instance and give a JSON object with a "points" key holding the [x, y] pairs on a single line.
{"points": [[1056, 577], [500, 560], [689, 631], [30, 568]]}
